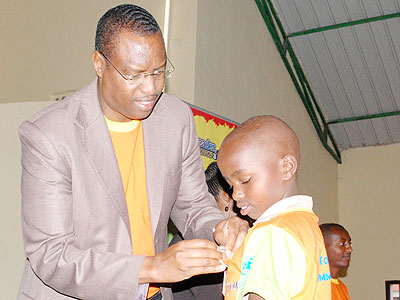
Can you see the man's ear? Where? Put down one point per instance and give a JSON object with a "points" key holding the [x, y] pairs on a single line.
{"points": [[289, 167], [98, 63]]}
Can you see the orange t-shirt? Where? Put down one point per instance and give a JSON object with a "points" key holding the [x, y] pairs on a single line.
{"points": [[127, 138], [339, 290]]}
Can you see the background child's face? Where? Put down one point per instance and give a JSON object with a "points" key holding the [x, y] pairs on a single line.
{"points": [[255, 174]]}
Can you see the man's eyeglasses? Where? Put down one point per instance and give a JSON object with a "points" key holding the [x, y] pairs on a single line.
{"points": [[138, 78]]}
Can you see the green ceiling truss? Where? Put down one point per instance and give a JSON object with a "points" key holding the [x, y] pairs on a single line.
{"points": [[347, 24], [299, 79], [281, 40]]}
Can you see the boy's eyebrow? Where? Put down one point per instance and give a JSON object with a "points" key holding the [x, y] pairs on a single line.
{"points": [[237, 172]]}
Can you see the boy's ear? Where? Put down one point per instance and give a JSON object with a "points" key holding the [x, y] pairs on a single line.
{"points": [[289, 167]]}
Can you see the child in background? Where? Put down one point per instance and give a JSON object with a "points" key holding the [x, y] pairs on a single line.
{"points": [[208, 286], [283, 256], [218, 187]]}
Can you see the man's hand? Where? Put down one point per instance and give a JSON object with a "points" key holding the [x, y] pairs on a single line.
{"points": [[231, 233], [181, 261]]}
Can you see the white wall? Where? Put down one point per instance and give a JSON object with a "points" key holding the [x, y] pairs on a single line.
{"points": [[369, 207], [182, 48]]}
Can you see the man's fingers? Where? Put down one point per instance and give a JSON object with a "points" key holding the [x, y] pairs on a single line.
{"points": [[204, 266], [197, 249], [198, 261], [219, 235], [183, 260], [201, 263], [207, 270], [230, 241], [188, 255], [239, 240], [231, 233], [197, 243], [243, 228]]}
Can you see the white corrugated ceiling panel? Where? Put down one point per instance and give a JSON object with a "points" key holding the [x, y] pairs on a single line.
{"points": [[354, 71]]}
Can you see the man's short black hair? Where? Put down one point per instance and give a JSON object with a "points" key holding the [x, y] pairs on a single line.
{"points": [[326, 228], [125, 17]]}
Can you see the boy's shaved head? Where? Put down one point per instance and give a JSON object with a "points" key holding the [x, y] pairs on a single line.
{"points": [[259, 160], [270, 132]]}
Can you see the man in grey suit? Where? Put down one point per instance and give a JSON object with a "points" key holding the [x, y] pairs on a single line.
{"points": [[79, 218]]}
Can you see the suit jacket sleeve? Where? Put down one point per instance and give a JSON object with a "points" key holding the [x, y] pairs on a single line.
{"points": [[195, 212], [50, 229]]}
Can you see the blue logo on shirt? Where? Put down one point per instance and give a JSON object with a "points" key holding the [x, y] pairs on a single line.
{"points": [[323, 260], [324, 277]]}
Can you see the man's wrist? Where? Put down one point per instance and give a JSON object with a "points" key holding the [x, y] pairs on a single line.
{"points": [[148, 273]]}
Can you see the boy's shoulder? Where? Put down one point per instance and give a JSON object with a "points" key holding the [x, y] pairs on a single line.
{"points": [[292, 218], [300, 224]]}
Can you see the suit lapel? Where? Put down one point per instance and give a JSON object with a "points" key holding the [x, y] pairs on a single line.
{"points": [[97, 145], [154, 138]]}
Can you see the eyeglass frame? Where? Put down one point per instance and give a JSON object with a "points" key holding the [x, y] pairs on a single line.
{"points": [[137, 78]]}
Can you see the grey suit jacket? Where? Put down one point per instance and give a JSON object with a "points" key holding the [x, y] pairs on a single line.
{"points": [[74, 217]]}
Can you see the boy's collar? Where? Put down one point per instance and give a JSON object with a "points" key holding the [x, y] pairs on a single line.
{"points": [[298, 201]]}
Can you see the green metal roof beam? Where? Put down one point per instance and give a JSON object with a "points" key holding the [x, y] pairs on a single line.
{"points": [[374, 116], [347, 24], [273, 23]]}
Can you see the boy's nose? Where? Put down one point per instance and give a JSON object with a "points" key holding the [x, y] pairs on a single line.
{"points": [[237, 194]]}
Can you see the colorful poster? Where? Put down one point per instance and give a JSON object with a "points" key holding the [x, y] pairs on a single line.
{"points": [[211, 130]]}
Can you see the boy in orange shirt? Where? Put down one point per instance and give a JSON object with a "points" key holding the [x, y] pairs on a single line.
{"points": [[283, 256]]}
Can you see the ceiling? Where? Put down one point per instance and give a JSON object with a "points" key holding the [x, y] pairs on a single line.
{"points": [[344, 59]]}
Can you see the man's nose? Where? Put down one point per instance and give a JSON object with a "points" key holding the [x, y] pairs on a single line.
{"points": [[149, 84]]}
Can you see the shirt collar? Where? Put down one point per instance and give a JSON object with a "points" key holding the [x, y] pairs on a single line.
{"points": [[294, 202], [121, 126], [335, 280]]}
